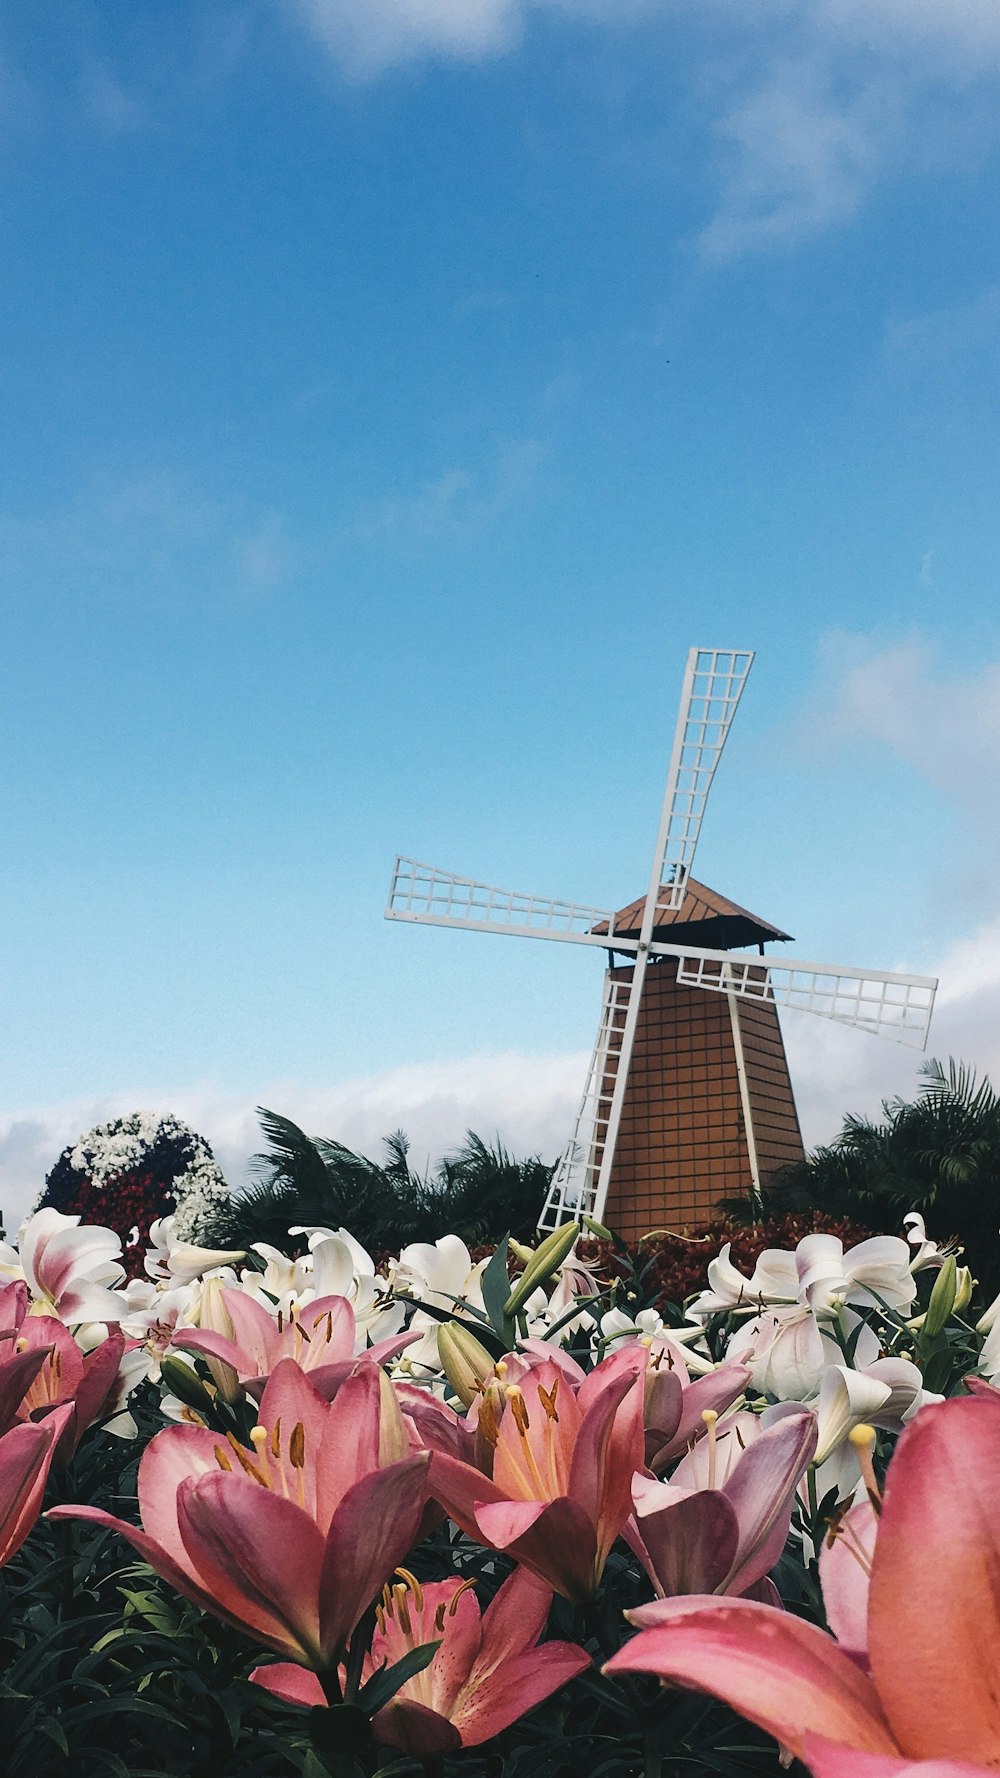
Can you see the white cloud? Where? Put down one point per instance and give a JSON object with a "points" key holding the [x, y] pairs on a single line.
{"points": [[812, 102], [798, 154], [530, 1101], [368, 36], [946, 725]]}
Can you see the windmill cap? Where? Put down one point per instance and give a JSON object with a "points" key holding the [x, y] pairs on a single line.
{"points": [[704, 918]]}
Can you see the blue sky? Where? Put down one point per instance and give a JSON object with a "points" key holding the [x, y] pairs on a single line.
{"points": [[392, 393]]}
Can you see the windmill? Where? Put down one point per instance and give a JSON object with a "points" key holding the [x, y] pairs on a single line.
{"points": [[687, 1092]]}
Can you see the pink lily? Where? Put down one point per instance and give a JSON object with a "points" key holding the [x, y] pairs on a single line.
{"points": [[26, 1454], [563, 1462], [930, 1690], [487, 1672], [827, 1761], [87, 1382], [19, 1362], [720, 1524], [674, 1405], [42, 1367], [320, 1338], [290, 1541]]}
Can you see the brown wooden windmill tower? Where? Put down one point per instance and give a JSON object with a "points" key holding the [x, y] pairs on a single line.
{"points": [[687, 1098]]}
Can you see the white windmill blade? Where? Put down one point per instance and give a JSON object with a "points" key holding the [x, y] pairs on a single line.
{"points": [[432, 897], [573, 1189], [713, 685], [888, 1005]]}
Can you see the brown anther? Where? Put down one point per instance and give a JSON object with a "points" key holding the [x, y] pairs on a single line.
{"points": [[57, 1363], [548, 1400], [245, 1461], [518, 1409], [380, 1618], [488, 1421], [834, 1527], [329, 1327], [281, 1322], [466, 1587], [412, 1582], [222, 1460], [276, 1438], [401, 1602], [297, 1446], [439, 1619]]}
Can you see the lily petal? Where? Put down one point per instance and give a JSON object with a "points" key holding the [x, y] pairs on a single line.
{"points": [[827, 1761], [776, 1669], [259, 1556], [292, 1684], [375, 1528], [844, 1571], [938, 1548]]}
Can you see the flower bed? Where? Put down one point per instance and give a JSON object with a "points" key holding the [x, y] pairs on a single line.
{"points": [[265, 1514]]}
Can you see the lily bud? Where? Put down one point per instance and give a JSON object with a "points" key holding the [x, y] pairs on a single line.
{"points": [[545, 1261], [520, 1251], [986, 1320], [185, 1383], [597, 1229], [465, 1362], [943, 1298], [965, 1283], [213, 1314]]}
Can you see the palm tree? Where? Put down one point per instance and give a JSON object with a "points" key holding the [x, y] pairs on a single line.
{"points": [[480, 1193], [938, 1153]]}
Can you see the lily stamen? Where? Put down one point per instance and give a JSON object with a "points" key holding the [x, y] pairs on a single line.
{"points": [[519, 1411], [414, 1585], [246, 1462], [709, 1416], [863, 1440], [466, 1587]]}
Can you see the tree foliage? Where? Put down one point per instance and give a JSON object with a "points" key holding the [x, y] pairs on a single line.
{"points": [[938, 1153], [480, 1192]]}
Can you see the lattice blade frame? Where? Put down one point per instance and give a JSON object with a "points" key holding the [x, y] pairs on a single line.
{"points": [[433, 897], [714, 679], [573, 1189], [888, 1005]]}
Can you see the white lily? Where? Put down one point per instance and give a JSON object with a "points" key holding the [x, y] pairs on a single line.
{"points": [[71, 1271], [180, 1262]]}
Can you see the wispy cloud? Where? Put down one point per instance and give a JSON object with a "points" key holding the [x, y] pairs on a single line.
{"points": [[107, 102], [798, 153], [898, 695], [811, 103], [368, 36], [462, 501], [917, 341], [152, 534]]}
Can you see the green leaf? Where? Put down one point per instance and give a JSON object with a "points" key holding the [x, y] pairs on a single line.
{"points": [[495, 1286], [386, 1683]]}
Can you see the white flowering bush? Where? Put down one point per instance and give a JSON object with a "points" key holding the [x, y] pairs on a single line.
{"points": [[133, 1171]]}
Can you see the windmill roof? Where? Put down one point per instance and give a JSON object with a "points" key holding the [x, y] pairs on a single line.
{"points": [[704, 918]]}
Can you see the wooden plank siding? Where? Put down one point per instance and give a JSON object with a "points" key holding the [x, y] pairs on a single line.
{"points": [[682, 1144]]}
